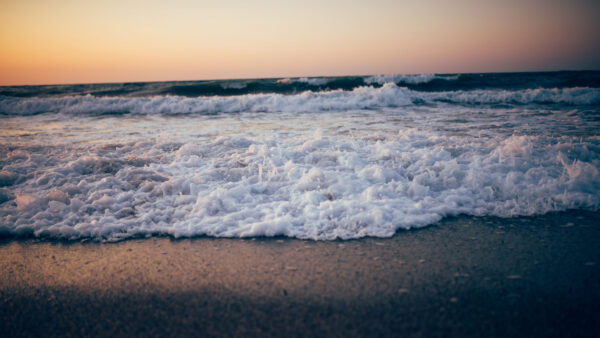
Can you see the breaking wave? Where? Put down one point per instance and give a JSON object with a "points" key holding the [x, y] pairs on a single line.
{"points": [[408, 79], [313, 81], [361, 98]]}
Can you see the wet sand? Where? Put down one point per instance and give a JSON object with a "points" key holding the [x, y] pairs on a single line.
{"points": [[464, 277]]}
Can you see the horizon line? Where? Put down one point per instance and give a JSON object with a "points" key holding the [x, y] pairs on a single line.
{"points": [[294, 77]]}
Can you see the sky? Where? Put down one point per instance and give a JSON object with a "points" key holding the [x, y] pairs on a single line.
{"points": [[75, 41]]}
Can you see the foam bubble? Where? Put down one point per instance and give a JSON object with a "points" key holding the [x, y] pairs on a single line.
{"points": [[7, 178]]}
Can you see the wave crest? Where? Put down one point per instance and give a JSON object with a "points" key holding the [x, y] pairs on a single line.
{"points": [[408, 79], [362, 98], [313, 81]]}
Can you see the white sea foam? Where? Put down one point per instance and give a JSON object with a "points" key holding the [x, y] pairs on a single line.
{"points": [[315, 175], [407, 78], [389, 95], [313, 81]]}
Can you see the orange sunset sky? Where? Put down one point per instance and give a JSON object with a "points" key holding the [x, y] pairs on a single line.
{"points": [[71, 41]]}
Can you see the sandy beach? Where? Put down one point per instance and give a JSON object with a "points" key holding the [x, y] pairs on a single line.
{"points": [[462, 277]]}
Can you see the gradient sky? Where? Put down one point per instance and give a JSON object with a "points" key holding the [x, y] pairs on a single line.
{"points": [[77, 41]]}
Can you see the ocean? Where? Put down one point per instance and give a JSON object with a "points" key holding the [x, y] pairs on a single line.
{"points": [[318, 158]]}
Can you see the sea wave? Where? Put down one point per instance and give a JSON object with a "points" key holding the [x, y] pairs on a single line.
{"points": [[296, 85], [408, 79], [361, 98], [313, 81]]}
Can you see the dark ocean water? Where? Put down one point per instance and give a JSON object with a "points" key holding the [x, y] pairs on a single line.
{"points": [[318, 158]]}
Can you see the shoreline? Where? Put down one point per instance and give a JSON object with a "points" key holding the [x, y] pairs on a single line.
{"points": [[576, 214], [464, 276]]}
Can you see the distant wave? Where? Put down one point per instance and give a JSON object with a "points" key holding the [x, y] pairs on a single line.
{"points": [[313, 81], [297, 85], [361, 98], [565, 96], [399, 79], [408, 79]]}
